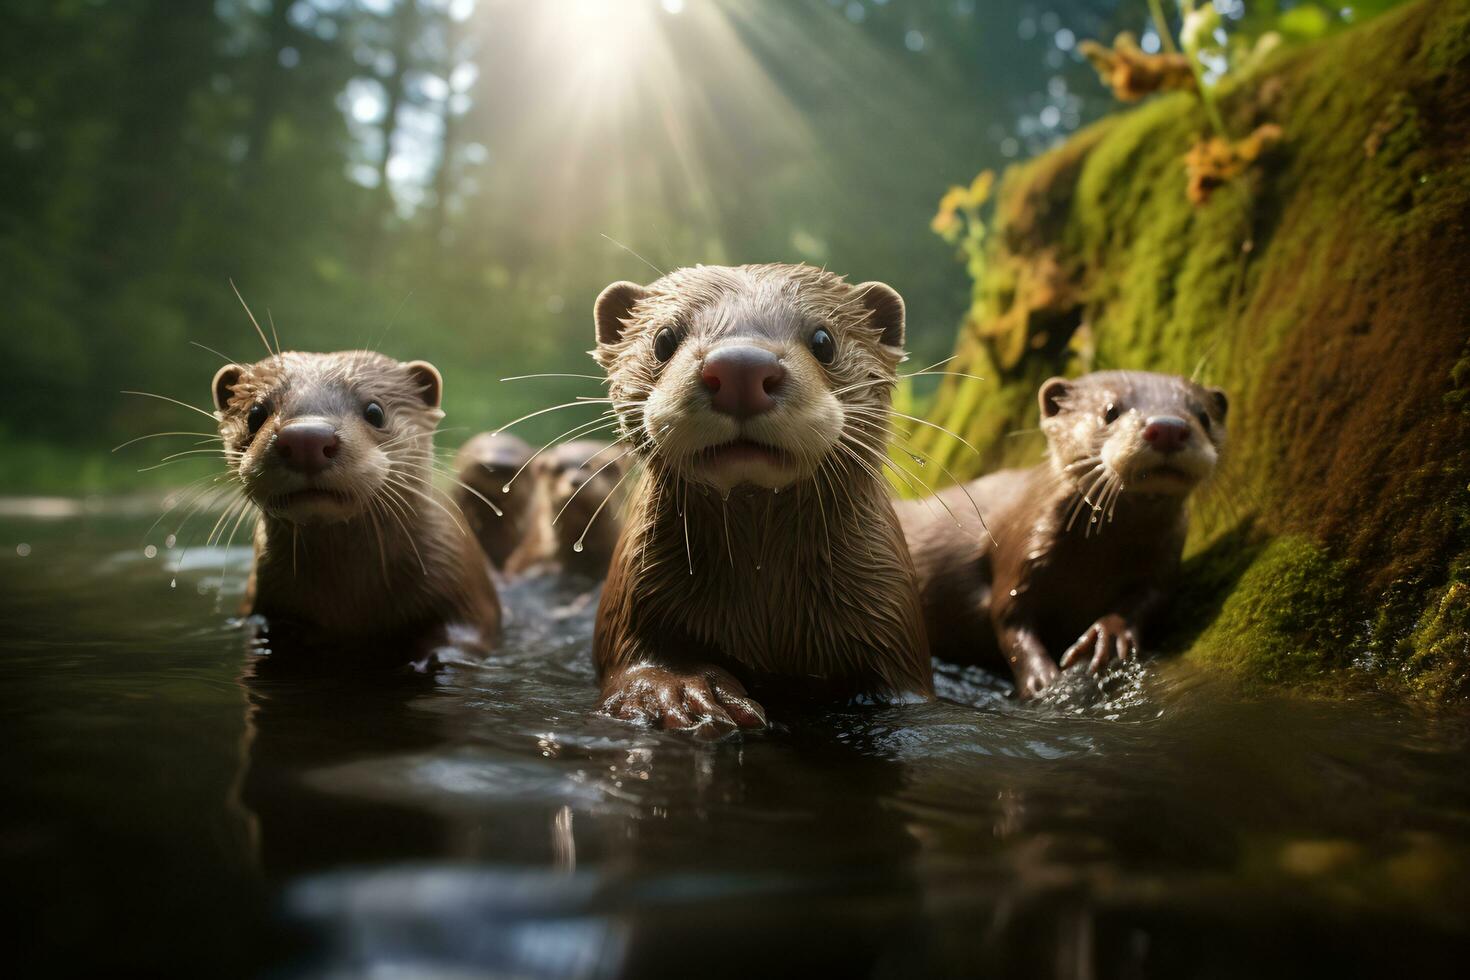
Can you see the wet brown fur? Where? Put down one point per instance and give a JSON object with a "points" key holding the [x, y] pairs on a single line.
{"points": [[806, 591], [402, 572]]}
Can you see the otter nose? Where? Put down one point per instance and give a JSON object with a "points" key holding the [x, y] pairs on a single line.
{"points": [[308, 446], [741, 380], [1166, 433]]}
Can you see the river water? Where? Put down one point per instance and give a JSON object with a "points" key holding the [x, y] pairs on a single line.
{"points": [[170, 809]]}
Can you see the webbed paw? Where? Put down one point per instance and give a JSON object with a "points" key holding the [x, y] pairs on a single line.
{"points": [[680, 699], [1108, 639]]}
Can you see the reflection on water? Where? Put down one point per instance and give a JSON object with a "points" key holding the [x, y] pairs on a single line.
{"points": [[183, 805]]}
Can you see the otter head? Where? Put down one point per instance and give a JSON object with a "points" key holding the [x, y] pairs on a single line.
{"points": [[750, 375], [1142, 433], [578, 477], [488, 464], [315, 438]]}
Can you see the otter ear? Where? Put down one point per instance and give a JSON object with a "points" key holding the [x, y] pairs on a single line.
{"points": [[225, 380], [1053, 392], [885, 311], [1219, 401], [431, 384], [614, 305]]}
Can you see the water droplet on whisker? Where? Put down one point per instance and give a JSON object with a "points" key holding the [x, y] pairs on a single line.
{"points": [[505, 489], [577, 547], [173, 583]]}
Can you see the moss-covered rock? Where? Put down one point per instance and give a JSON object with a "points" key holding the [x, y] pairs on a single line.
{"points": [[1328, 291]]}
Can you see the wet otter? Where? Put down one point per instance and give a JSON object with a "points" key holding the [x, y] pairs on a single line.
{"points": [[353, 544], [1081, 549], [486, 465], [761, 548], [584, 485]]}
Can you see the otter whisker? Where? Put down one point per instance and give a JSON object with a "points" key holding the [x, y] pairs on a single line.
{"points": [[598, 422], [594, 475], [553, 408], [220, 354], [593, 519], [370, 507], [211, 481], [634, 254], [828, 469], [224, 566], [155, 435], [272, 321], [684, 512], [826, 531], [391, 495], [465, 486], [254, 322], [171, 401], [874, 413], [526, 377], [909, 481], [965, 487], [1098, 473], [428, 496], [725, 517]]}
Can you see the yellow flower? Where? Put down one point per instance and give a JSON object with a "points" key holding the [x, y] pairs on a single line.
{"points": [[947, 220], [980, 187], [1213, 162]]}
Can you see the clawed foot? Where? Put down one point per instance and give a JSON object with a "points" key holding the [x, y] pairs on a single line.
{"points": [[681, 699], [1108, 639], [1034, 675]]}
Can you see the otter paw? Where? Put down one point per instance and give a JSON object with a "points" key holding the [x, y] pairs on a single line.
{"points": [[681, 699], [1108, 639], [1034, 675]]}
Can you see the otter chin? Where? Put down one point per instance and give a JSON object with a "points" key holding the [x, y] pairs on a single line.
{"points": [[745, 462], [312, 505]]}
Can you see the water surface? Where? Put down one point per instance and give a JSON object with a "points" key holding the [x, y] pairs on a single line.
{"points": [[172, 810]]}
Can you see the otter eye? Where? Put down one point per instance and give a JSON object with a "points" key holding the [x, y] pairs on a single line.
{"points": [[259, 413], [1204, 420], [1110, 414], [824, 348], [665, 342], [373, 413]]}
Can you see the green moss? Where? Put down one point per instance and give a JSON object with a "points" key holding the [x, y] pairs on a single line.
{"points": [[1282, 621], [1327, 291], [1436, 657]]}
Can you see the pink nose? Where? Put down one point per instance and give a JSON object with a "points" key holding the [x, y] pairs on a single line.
{"points": [[741, 380], [307, 447], [1166, 433]]}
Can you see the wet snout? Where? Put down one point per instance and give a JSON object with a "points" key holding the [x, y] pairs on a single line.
{"points": [[1166, 433], [307, 445], [741, 379]]}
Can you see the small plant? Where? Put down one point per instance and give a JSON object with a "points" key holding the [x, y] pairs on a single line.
{"points": [[1133, 73], [958, 220], [1215, 161]]}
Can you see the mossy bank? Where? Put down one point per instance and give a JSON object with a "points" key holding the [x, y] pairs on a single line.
{"points": [[1328, 290]]}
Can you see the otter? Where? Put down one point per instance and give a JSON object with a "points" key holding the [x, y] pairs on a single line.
{"points": [[353, 545], [761, 554], [509, 523], [1078, 553], [583, 481]]}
